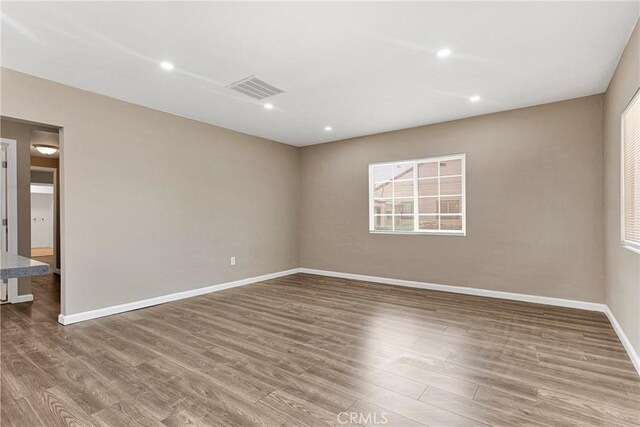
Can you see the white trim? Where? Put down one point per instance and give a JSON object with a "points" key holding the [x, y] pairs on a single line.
{"points": [[24, 298], [42, 188], [635, 359], [631, 246], [422, 233], [12, 209], [583, 305], [115, 309]]}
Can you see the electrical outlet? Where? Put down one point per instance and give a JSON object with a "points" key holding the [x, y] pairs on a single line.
{"points": [[232, 260]]}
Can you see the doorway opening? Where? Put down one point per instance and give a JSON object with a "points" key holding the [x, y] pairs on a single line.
{"points": [[33, 148], [45, 213]]}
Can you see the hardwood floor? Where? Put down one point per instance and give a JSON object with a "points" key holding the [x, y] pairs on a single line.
{"points": [[41, 252], [300, 350]]}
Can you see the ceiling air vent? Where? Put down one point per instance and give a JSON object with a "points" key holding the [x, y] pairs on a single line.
{"points": [[255, 88]]}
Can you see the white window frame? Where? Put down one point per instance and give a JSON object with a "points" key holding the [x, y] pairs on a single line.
{"points": [[632, 246], [459, 156]]}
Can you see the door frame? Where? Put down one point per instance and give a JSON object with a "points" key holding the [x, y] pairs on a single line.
{"points": [[12, 207], [55, 211]]}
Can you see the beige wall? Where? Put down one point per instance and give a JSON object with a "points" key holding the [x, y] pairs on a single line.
{"points": [[21, 132], [154, 204], [534, 204], [622, 266]]}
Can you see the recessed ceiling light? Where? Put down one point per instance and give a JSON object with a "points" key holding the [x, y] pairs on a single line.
{"points": [[328, 128], [166, 65], [443, 53], [268, 106], [474, 98]]}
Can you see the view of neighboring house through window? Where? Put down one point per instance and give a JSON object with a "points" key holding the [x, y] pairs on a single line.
{"points": [[418, 196], [631, 175]]}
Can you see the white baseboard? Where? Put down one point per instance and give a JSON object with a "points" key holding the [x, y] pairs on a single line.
{"points": [[635, 359], [107, 311], [23, 298], [583, 305]]}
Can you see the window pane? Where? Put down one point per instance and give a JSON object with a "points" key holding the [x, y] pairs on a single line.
{"points": [[404, 223], [382, 190], [382, 173], [631, 172], [450, 222], [382, 207], [383, 222], [428, 205], [451, 167], [428, 187], [451, 204], [451, 185], [418, 195], [403, 171], [403, 206], [427, 222], [426, 170], [403, 189]]}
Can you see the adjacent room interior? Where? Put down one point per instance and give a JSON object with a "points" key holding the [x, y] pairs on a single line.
{"points": [[308, 213]]}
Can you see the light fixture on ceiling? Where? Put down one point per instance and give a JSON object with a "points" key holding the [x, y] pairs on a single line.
{"points": [[474, 98], [46, 149], [443, 53], [166, 65], [268, 106], [328, 128]]}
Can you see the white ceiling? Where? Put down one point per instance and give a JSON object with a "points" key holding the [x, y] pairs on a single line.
{"points": [[360, 67]]}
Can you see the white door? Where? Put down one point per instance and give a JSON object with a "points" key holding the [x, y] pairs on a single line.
{"points": [[41, 216], [8, 212], [4, 289]]}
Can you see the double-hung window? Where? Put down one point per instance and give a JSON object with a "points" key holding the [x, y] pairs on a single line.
{"points": [[422, 196], [631, 175]]}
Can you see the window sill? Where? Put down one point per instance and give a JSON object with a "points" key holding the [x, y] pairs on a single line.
{"points": [[630, 246], [422, 233]]}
